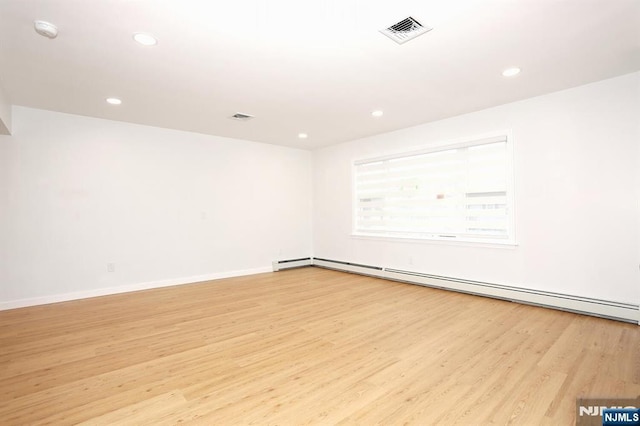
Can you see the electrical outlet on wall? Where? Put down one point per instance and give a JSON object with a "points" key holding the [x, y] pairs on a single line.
{"points": [[111, 267]]}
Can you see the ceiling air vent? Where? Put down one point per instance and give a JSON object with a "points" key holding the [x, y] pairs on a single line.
{"points": [[241, 117], [405, 30]]}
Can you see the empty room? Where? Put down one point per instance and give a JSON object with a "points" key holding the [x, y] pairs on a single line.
{"points": [[339, 212]]}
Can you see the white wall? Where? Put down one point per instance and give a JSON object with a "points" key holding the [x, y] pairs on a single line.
{"points": [[168, 206], [5, 112], [165, 206], [577, 165]]}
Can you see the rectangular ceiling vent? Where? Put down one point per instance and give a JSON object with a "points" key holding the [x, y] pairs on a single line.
{"points": [[241, 117], [405, 30]]}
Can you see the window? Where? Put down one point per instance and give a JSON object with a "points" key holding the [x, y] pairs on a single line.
{"points": [[461, 192]]}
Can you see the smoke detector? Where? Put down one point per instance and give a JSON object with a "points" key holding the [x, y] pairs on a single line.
{"points": [[241, 117], [405, 30], [46, 29]]}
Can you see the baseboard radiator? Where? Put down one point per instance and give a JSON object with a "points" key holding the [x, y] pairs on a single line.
{"points": [[596, 307], [280, 265]]}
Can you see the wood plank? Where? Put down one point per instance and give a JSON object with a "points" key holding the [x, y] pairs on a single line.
{"points": [[307, 346]]}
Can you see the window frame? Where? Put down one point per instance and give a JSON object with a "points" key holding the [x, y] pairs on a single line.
{"points": [[466, 142]]}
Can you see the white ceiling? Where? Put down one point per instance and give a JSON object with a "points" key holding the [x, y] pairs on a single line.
{"points": [[300, 66]]}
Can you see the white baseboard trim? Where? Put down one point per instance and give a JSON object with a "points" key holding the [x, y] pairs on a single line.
{"points": [[602, 308], [620, 311], [127, 288]]}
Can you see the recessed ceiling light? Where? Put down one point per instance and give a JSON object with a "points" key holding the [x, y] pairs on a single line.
{"points": [[114, 101], [145, 39], [46, 29], [510, 72], [377, 113], [303, 135]]}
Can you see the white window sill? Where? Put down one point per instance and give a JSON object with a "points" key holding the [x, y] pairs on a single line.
{"points": [[507, 244]]}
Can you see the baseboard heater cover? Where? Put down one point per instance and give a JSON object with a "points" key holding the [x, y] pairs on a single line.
{"points": [[584, 305], [356, 268], [280, 265]]}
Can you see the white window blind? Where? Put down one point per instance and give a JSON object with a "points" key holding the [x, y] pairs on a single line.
{"points": [[459, 192]]}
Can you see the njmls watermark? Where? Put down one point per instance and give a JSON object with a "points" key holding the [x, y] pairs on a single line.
{"points": [[608, 411]]}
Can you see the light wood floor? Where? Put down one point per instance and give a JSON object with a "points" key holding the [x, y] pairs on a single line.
{"points": [[307, 346]]}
